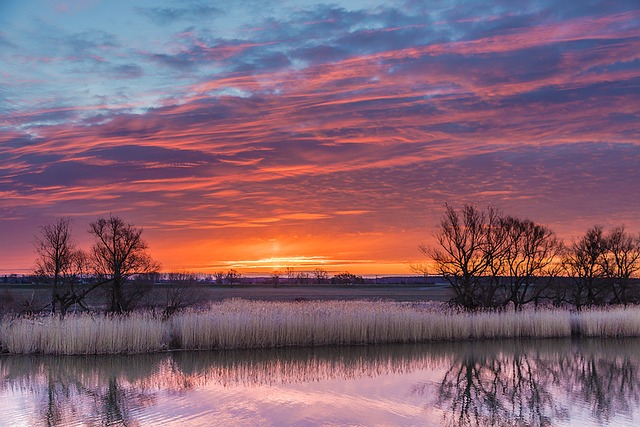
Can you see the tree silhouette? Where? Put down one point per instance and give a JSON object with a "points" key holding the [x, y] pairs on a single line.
{"points": [[119, 254], [63, 264]]}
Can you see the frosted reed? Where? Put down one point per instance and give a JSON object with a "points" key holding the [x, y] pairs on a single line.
{"points": [[612, 322], [235, 324], [140, 332], [245, 324]]}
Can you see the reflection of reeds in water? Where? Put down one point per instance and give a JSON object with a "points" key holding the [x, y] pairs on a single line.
{"points": [[187, 369], [238, 324], [297, 365], [481, 381], [178, 371]]}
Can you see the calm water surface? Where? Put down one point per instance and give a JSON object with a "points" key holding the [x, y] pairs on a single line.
{"points": [[544, 382]]}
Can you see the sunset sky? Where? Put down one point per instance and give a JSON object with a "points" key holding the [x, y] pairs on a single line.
{"points": [[260, 134]]}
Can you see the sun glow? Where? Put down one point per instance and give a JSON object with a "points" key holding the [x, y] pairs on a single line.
{"points": [[275, 263], [268, 151], [308, 264]]}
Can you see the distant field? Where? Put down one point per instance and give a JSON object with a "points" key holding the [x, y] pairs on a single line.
{"points": [[15, 296], [329, 292]]}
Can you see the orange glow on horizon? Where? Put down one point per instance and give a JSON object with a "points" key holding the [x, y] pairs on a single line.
{"points": [[255, 255], [315, 143]]}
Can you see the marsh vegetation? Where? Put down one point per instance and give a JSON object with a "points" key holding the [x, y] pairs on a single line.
{"points": [[510, 278], [471, 383], [239, 324]]}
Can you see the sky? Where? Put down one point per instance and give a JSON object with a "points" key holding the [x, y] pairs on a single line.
{"points": [[260, 135]]}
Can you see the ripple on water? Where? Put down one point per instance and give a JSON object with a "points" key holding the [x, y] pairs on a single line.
{"points": [[569, 382]]}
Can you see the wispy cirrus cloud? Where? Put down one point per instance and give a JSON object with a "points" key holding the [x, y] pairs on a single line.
{"points": [[188, 12], [334, 131]]}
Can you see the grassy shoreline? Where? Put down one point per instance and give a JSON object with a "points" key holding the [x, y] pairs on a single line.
{"points": [[242, 324]]}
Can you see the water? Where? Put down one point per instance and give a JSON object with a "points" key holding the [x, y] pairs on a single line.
{"points": [[543, 382]]}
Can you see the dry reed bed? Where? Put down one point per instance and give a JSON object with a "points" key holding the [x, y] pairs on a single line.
{"points": [[245, 324], [250, 324], [83, 334]]}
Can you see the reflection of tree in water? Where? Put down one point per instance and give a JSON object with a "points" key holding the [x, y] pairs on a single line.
{"points": [[516, 383], [113, 404], [493, 383], [609, 385], [499, 388], [93, 390]]}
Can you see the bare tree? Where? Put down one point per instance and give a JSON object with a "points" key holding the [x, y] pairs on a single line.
{"points": [[493, 291], [302, 278], [584, 262], [119, 254], [61, 262], [290, 272], [55, 250], [463, 257], [181, 293], [621, 263], [347, 278], [219, 275], [233, 277], [491, 260], [275, 278], [74, 291], [320, 275], [528, 256]]}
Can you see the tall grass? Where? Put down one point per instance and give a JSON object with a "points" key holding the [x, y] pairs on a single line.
{"points": [[238, 324], [140, 332], [613, 322], [245, 324]]}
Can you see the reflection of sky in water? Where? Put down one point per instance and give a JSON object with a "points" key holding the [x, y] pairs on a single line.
{"points": [[381, 400], [552, 382]]}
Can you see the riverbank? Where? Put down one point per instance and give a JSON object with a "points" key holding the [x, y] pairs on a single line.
{"points": [[242, 324]]}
